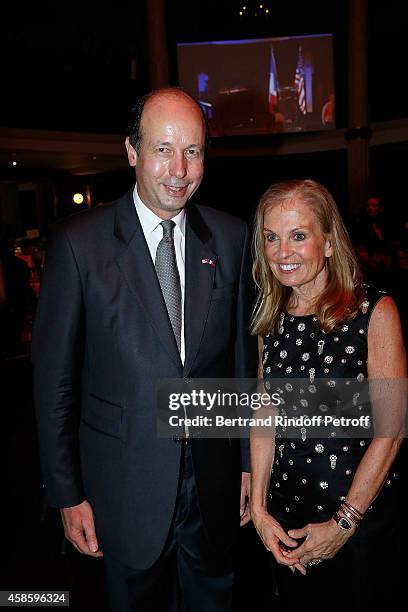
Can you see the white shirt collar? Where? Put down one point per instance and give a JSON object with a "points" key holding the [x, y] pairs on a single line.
{"points": [[150, 221]]}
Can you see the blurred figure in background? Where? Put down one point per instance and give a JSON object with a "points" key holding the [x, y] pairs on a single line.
{"points": [[374, 229], [17, 300]]}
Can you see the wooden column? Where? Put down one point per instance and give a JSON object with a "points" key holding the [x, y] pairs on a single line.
{"points": [[157, 43], [358, 133]]}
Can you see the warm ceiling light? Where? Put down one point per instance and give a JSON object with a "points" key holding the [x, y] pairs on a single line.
{"points": [[78, 198]]}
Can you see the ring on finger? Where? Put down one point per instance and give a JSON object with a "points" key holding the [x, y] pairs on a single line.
{"points": [[314, 562]]}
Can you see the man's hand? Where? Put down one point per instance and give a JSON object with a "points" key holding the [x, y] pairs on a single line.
{"points": [[244, 505], [79, 528]]}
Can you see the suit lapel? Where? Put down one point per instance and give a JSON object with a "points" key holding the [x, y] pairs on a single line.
{"points": [[200, 271], [135, 263]]}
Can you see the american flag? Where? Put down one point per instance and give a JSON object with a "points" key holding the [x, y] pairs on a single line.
{"points": [[300, 84]]}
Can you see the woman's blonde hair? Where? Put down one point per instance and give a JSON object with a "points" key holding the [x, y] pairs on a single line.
{"points": [[344, 292]]}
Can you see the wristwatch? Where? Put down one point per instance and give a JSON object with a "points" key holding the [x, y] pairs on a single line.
{"points": [[342, 521]]}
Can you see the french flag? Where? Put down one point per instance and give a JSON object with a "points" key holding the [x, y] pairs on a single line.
{"points": [[273, 83]]}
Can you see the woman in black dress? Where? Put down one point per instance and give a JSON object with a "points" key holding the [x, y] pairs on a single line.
{"points": [[325, 508]]}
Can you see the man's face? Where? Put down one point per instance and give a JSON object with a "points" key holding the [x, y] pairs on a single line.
{"points": [[170, 164], [373, 207]]}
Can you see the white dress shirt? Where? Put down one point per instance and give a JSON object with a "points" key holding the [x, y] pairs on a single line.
{"points": [[153, 233]]}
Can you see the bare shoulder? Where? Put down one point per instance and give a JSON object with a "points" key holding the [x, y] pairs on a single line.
{"points": [[384, 316], [386, 352]]}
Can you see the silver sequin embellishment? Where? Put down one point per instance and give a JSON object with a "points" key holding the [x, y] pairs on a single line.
{"points": [[320, 346], [328, 359], [333, 461], [304, 481], [350, 350], [298, 341], [301, 326], [344, 328], [319, 448], [303, 433], [289, 369], [323, 484], [283, 354], [305, 356], [360, 377], [284, 476]]}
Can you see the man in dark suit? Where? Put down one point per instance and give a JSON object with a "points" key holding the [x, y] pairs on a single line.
{"points": [[136, 291]]}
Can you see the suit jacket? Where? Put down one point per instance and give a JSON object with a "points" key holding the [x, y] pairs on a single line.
{"points": [[102, 340]]}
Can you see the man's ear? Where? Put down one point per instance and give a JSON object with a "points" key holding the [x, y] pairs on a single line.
{"points": [[131, 153]]}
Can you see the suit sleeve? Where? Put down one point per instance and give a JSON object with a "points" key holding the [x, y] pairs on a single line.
{"points": [[246, 352], [57, 356]]}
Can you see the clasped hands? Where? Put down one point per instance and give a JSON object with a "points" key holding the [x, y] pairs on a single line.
{"points": [[321, 541]]}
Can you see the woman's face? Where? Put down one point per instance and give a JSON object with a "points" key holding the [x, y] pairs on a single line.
{"points": [[296, 247]]}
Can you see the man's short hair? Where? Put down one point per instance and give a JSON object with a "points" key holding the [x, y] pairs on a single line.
{"points": [[134, 131]]}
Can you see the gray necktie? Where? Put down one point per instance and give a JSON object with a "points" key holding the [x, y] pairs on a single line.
{"points": [[169, 279]]}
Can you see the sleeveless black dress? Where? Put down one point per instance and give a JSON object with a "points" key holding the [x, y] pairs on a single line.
{"points": [[310, 477]]}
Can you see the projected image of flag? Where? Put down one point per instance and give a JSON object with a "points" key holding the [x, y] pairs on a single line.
{"points": [[273, 83], [300, 84]]}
